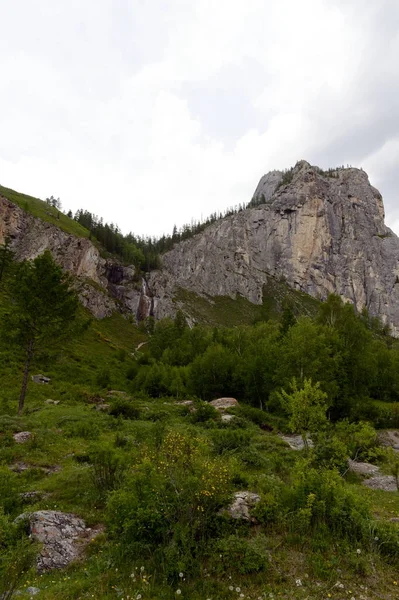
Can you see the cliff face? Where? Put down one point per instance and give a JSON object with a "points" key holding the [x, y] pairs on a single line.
{"points": [[320, 233], [104, 286]]}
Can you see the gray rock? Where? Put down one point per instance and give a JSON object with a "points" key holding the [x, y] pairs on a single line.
{"points": [[362, 468], [319, 234], [40, 379], [224, 403], [242, 504], [227, 418], [33, 591], [266, 187], [62, 537], [387, 483], [104, 407], [295, 442], [22, 437]]}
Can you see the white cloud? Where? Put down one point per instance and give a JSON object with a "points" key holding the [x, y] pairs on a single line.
{"points": [[95, 103]]}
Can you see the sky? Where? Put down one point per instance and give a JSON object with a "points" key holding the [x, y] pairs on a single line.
{"points": [[152, 113]]}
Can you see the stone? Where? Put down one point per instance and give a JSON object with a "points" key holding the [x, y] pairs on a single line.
{"points": [[104, 407], [224, 403], [117, 394], [242, 504], [33, 591], [362, 468], [40, 379], [387, 483], [31, 496], [22, 437], [62, 537], [295, 442], [227, 418], [389, 438]]}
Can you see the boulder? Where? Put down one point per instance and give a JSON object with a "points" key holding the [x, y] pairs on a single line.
{"points": [[242, 504], [387, 483], [104, 407], [389, 438], [295, 442], [224, 403], [227, 418], [40, 379], [362, 468], [22, 437], [62, 537]]}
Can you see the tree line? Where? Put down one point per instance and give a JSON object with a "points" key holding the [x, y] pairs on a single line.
{"points": [[351, 356]]}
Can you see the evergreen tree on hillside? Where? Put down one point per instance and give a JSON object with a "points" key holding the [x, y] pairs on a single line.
{"points": [[44, 311]]}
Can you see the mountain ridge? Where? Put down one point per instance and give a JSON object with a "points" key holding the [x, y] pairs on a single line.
{"points": [[319, 232]]}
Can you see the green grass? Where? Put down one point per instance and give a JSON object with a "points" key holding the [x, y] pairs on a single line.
{"points": [[39, 208], [223, 310]]}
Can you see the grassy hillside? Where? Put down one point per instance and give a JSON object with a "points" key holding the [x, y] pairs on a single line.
{"points": [[39, 208], [156, 474]]}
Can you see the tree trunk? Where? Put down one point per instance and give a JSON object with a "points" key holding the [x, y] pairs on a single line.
{"points": [[29, 355]]}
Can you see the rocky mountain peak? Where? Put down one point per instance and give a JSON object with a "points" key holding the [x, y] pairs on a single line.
{"points": [[318, 231]]}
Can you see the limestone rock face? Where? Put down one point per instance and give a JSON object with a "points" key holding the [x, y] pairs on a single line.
{"points": [[320, 234], [104, 286]]}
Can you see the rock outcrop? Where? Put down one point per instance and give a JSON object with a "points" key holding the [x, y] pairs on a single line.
{"points": [[62, 535], [104, 285], [318, 232]]}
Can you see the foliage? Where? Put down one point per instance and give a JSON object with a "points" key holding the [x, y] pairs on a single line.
{"points": [[44, 310], [306, 407]]}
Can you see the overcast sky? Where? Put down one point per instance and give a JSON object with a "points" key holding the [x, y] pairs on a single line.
{"points": [[154, 112]]}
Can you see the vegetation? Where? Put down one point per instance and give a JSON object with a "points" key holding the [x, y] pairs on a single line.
{"points": [[123, 449], [44, 308]]}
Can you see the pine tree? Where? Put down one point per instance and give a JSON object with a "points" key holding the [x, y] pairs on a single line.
{"points": [[44, 311]]}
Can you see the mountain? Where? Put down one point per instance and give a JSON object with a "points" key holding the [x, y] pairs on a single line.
{"points": [[311, 231]]}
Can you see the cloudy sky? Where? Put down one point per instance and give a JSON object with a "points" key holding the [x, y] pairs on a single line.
{"points": [[154, 112]]}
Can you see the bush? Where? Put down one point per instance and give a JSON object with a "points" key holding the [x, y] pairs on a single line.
{"points": [[204, 412], [169, 505], [242, 555], [108, 467], [9, 498], [226, 440], [322, 499], [125, 409], [17, 556]]}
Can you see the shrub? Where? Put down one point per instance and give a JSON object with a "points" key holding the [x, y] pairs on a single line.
{"points": [[17, 556], [169, 504], [226, 440], [322, 499], [204, 412], [125, 409], [108, 467], [9, 498], [242, 555]]}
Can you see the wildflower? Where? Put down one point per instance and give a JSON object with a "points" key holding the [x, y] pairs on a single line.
{"points": [[138, 597], [141, 569], [181, 575], [231, 588], [238, 590], [358, 551], [298, 582], [178, 592]]}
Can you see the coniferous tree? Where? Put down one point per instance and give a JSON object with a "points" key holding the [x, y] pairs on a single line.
{"points": [[44, 311]]}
